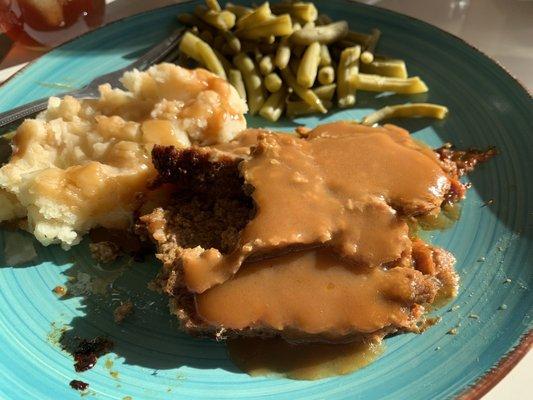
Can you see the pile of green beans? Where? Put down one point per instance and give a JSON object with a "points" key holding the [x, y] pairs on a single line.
{"points": [[285, 58]]}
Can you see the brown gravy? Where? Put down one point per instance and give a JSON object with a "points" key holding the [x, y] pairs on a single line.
{"points": [[309, 361], [316, 292], [355, 182]]}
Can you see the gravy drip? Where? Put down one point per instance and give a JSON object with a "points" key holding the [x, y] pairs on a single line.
{"points": [[307, 361]]}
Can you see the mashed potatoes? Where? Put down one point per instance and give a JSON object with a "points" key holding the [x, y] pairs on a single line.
{"points": [[82, 164]]}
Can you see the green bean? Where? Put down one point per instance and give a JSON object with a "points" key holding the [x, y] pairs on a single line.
{"points": [[308, 68], [283, 53], [188, 46], [368, 55], [233, 42], [325, 57], [239, 11], [227, 20], [223, 20], [194, 30], [326, 75], [210, 60], [390, 68], [272, 82], [406, 111], [277, 26], [235, 78], [213, 5], [252, 81], [296, 108], [376, 83], [325, 92], [325, 34], [260, 14], [274, 105], [347, 68], [200, 51], [258, 56], [303, 11], [305, 94], [313, 65], [265, 65], [269, 39], [193, 21], [357, 37]]}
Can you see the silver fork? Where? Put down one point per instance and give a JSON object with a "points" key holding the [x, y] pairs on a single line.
{"points": [[167, 51]]}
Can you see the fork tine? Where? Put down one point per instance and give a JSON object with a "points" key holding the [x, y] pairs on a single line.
{"points": [[166, 48], [178, 58], [159, 52]]}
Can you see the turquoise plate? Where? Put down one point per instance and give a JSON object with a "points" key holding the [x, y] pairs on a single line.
{"points": [[152, 360]]}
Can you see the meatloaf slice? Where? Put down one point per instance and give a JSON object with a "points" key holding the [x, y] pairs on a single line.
{"points": [[298, 297], [348, 187], [305, 295]]}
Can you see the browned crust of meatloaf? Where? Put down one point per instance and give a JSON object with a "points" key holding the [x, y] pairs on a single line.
{"points": [[457, 163], [210, 207], [461, 162], [198, 168]]}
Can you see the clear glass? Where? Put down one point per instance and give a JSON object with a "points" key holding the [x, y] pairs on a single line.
{"points": [[47, 23]]}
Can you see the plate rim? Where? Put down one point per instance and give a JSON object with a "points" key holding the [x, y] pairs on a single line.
{"points": [[499, 370]]}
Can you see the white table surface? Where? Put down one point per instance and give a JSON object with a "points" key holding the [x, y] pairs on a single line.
{"points": [[503, 29]]}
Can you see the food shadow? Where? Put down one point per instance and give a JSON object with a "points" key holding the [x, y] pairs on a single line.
{"points": [[149, 337]]}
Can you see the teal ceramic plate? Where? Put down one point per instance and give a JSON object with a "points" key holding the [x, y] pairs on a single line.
{"points": [[152, 360]]}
